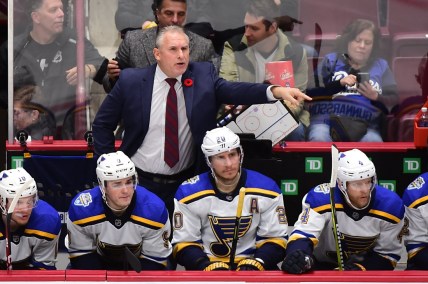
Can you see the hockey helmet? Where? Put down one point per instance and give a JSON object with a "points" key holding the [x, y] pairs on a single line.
{"points": [[354, 165], [114, 166], [14, 180], [220, 140]]}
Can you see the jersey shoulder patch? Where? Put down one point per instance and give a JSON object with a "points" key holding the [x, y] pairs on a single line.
{"points": [[319, 196], [194, 189], [416, 193], [86, 204]]}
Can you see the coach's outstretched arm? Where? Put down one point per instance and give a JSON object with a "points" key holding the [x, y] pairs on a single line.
{"points": [[293, 95]]}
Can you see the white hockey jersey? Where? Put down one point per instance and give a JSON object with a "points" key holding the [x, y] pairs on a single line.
{"points": [[144, 228], [34, 246], [206, 217], [415, 198], [375, 229]]}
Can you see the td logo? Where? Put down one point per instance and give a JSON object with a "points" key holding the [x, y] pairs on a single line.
{"points": [[412, 165], [17, 162], [389, 184], [290, 187], [313, 165]]}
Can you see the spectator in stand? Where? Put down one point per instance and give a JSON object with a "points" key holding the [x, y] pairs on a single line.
{"points": [[31, 116], [116, 216], [416, 234], [136, 49], [244, 57], [222, 19], [48, 51], [34, 227], [351, 106], [370, 219]]}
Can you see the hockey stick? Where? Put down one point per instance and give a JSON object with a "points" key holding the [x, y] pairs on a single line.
{"points": [[8, 220], [336, 232], [236, 228], [132, 260]]}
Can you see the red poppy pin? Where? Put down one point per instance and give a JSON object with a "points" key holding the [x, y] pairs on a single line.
{"points": [[188, 82]]}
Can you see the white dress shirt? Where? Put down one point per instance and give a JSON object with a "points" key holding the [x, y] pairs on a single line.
{"points": [[150, 156]]}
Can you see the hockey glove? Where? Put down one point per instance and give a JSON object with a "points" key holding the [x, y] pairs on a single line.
{"points": [[218, 265], [250, 264], [297, 262], [354, 261]]}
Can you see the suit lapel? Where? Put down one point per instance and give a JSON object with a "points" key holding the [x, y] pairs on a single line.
{"points": [[187, 82], [146, 95]]}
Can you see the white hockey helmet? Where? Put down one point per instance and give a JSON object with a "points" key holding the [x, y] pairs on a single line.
{"points": [[114, 166], [354, 165], [220, 140], [12, 181]]}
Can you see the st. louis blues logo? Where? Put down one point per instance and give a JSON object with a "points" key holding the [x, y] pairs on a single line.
{"points": [[223, 228], [354, 245]]}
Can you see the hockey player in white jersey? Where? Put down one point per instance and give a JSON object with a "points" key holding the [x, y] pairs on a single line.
{"points": [[206, 206], [107, 223], [369, 218], [34, 226], [416, 235]]}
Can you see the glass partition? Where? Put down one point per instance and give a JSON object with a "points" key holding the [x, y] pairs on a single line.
{"points": [[368, 78]]}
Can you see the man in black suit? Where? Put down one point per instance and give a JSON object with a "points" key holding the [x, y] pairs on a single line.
{"points": [[139, 99]]}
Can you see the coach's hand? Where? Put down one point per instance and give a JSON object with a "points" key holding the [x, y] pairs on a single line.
{"points": [[293, 95], [297, 262]]}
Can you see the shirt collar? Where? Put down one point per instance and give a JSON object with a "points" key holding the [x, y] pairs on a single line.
{"points": [[161, 76]]}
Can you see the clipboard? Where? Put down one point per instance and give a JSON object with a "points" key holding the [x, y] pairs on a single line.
{"points": [[272, 121]]}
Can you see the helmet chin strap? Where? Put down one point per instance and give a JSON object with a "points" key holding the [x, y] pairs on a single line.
{"points": [[352, 205], [116, 211], [226, 187]]}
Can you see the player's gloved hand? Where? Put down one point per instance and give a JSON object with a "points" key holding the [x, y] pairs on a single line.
{"points": [[217, 265], [250, 264], [297, 262], [354, 266], [353, 262]]}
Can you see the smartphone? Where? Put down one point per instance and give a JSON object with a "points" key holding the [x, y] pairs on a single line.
{"points": [[363, 77]]}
